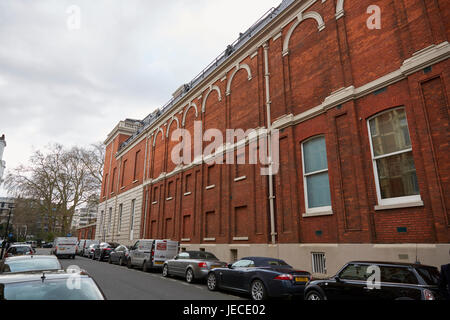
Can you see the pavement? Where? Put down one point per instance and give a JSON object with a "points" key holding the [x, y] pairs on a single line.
{"points": [[121, 283]]}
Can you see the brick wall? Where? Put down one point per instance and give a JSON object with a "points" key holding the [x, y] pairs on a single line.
{"points": [[182, 204]]}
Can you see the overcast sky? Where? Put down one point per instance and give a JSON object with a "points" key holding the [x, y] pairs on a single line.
{"points": [[72, 86]]}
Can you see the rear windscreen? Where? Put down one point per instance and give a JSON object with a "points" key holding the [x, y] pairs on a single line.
{"points": [[31, 265], [51, 290], [430, 275]]}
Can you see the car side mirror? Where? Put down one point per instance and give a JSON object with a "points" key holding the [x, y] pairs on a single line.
{"points": [[230, 266], [337, 279]]}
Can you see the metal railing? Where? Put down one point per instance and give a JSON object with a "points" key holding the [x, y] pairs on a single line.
{"points": [[217, 62]]}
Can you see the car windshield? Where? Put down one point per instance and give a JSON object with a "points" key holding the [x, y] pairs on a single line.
{"points": [[430, 275], [31, 265], [51, 290], [23, 249], [202, 256]]}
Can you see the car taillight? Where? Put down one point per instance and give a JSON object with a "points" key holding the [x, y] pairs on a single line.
{"points": [[108, 249], [153, 253], [284, 277], [203, 265], [428, 295]]}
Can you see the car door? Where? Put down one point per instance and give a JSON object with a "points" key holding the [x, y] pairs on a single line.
{"points": [[182, 262], [133, 252], [350, 284], [231, 277]]}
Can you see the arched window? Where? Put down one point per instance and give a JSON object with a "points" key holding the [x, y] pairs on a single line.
{"points": [[315, 176], [393, 162]]}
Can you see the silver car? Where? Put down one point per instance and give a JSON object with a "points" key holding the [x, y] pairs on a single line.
{"points": [[192, 265]]}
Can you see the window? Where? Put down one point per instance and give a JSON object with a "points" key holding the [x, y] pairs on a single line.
{"points": [[187, 183], [136, 164], [105, 185], [113, 180], [316, 181], [124, 167], [119, 226], [355, 272], [133, 202], [109, 220], [318, 263], [395, 172], [397, 275], [244, 264]]}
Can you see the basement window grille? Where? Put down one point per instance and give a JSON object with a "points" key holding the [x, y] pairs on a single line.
{"points": [[318, 263]]}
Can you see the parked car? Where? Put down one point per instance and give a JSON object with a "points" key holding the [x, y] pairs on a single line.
{"points": [[65, 247], [151, 254], [80, 247], [86, 245], [33, 244], [119, 255], [398, 281], [47, 245], [19, 250], [102, 252], [52, 285], [29, 263], [89, 252], [260, 277], [192, 265]]}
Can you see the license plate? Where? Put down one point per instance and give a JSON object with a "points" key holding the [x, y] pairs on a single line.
{"points": [[301, 279], [213, 267], [62, 249], [159, 262]]}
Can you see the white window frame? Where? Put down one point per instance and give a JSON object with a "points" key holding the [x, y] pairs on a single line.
{"points": [[325, 210], [389, 201], [132, 212], [119, 224]]}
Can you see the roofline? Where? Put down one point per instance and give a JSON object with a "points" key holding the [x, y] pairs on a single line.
{"points": [[218, 72]]}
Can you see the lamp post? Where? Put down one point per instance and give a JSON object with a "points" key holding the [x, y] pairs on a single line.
{"points": [[10, 208]]}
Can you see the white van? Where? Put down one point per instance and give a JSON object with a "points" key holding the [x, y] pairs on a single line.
{"points": [[151, 254], [65, 247]]}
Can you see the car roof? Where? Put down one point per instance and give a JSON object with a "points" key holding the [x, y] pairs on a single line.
{"points": [[262, 259], [29, 257], [37, 276], [20, 245], [386, 263]]}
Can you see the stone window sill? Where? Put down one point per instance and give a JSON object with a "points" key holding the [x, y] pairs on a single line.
{"points": [[399, 206], [318, 214]]}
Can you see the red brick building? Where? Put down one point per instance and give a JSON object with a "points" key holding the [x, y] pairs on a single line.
{"points": [[363, 116], [86, 232]]}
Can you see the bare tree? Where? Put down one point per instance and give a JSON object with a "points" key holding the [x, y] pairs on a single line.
{"points": [[59, 181]]}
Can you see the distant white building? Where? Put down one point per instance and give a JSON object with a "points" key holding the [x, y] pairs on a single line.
{"points": [[83, 217], [2, 163]]}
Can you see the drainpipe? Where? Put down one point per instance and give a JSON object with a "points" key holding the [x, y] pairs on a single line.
{"points": [[269, 138]]}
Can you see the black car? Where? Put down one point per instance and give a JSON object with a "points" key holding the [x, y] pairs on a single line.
{"points": [[103, 251], [261, 277], [368, 280], [119, 255]]}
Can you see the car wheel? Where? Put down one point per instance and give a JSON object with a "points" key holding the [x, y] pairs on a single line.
{"points": [[258, 290], [120, 261], [190, 278], [109, 260], [314, 295], [129, 265], [165, 272], [212, 282]]}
